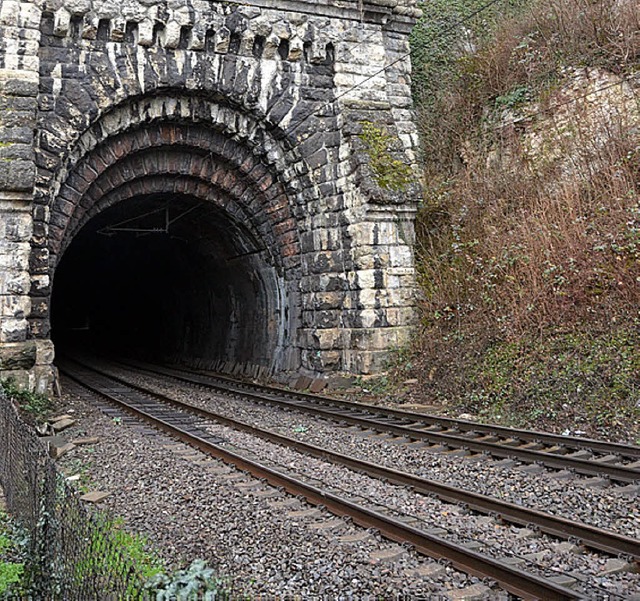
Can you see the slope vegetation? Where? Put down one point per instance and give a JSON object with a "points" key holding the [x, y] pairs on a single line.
{"points": [[529, 235]]}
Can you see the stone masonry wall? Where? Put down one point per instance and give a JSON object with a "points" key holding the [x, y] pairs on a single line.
{"points": [[274, 92], [25, 359]]}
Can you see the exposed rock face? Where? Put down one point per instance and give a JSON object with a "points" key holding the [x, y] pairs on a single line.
{"points": [[250, 108]]}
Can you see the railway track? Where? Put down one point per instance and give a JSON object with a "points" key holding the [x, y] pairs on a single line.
{"points": [[589, 457], [168, 414]]}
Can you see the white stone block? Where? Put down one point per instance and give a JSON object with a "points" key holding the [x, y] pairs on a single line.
{"points": [[182, 16], [45, 352], [14, 283], [16, 227], [369, 298], [61, 22], [15, 306], [145, 33], [296, 49], [171, 35], [370, 278], [30, 15], [12, 328], [9, 13], [369, 317], [14, 257], [401, 256]]}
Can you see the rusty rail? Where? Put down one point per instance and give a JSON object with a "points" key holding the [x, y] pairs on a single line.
{"points": [[367, 420], [514, 580], [590, 536]]}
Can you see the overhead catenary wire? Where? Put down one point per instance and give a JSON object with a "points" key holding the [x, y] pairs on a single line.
{"points": [[443, 33], [395, 61]]}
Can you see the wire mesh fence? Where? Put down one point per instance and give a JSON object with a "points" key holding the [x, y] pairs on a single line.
{"points": [[74, 552]]}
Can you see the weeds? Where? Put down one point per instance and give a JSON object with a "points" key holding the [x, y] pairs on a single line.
{"points": [[78, 472], [196, 582], [111, 549], [530, 229], [539, 382], [35, 404], [542, 221], [502, 56]]}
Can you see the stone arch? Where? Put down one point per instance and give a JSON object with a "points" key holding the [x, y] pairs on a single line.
{"points": [[197, 126], [289, 82], [197, 148]]}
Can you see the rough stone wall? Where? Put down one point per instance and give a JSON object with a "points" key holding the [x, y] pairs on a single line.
{"points": [[21, 356], [252, 106]]}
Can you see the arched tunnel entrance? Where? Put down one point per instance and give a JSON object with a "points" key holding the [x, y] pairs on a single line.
{"points": [[168, 277], [178, 239]]}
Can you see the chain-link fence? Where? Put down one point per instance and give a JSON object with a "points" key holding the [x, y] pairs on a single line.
{"points": [[74, 552]]}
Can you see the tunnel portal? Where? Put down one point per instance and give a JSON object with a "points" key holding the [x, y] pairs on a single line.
{"points": [[231, 135]]}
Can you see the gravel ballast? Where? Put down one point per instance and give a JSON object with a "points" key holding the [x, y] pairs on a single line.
{"points": [[191, 506], [572, 497]]}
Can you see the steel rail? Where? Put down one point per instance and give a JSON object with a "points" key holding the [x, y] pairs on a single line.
{"points": [[589, 536], [615, 472], [514, 580], [573, 442]]}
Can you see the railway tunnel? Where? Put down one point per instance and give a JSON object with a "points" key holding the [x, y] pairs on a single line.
{"points": [[166, 276], [190, 183], [172, 241]]}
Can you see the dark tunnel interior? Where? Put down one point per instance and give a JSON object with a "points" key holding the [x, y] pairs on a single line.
{"points": [[166, 278]]}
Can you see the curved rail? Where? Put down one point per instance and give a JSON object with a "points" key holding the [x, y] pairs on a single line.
{"points": [[589, 536], [512, 579], [496, 441]]}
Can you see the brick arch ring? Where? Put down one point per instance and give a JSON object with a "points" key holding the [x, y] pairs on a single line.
{"points": [[211, 151]]}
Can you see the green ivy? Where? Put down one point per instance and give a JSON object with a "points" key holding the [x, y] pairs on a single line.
{"points": [[591, 379], [12, 549], [514, 98], [447, 32], [197, 582], [38, 405]]}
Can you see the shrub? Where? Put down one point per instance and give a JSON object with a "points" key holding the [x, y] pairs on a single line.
{"points": [[466, 58], [540, 221], [530, 226]]}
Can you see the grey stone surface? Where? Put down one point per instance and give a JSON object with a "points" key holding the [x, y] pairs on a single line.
{"points": [[17, 356], [254, 109]]}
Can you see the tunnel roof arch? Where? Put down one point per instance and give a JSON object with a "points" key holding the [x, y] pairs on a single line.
{"points": [[227, 156]]}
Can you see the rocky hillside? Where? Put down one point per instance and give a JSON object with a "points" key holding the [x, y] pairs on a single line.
{"points": [[529, 235]]}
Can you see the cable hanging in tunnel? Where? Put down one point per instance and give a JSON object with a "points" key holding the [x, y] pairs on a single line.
{"points": [[122, 226]]}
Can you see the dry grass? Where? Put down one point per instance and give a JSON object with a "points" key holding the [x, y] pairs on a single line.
{"points": [[526, 55], [515, 247], [539, 224], [529, 238]]}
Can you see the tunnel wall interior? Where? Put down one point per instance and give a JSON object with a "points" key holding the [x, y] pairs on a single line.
{"points": [[242, 123], [168, 279]]}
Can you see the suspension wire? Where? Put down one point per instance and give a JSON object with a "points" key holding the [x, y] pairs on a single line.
{"points": [[444, 32], [401, 58]]}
